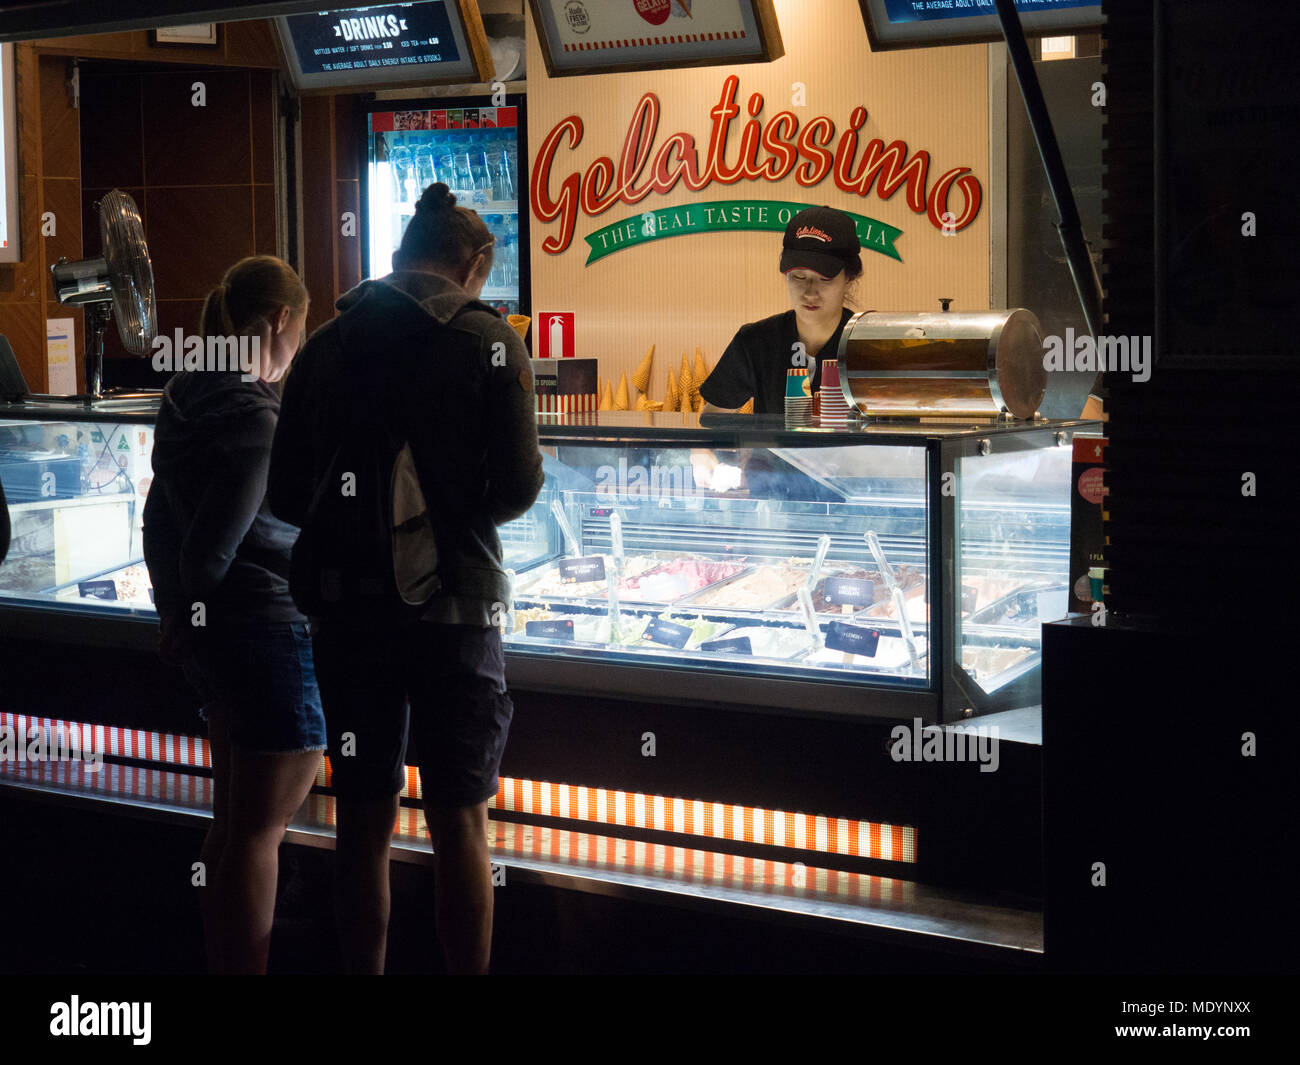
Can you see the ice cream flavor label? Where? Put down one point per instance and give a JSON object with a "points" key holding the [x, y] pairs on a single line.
{"points": [[845, 591], [667, 633], [550, 630], [851, 639], [97, 590], [739, 646], [581, 570]]}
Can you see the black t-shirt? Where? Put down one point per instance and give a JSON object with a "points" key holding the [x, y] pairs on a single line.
{"points": [[756, 360]]}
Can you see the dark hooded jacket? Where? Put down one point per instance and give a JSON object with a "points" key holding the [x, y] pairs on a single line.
{"points": [[450, 376], [209, 536]]}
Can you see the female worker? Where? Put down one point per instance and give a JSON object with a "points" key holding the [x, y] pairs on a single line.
{"points": [[821, 259]]}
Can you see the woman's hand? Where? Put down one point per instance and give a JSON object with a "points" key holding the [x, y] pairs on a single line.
{"points": [[176, 640], [712, 474], [703, 463]]}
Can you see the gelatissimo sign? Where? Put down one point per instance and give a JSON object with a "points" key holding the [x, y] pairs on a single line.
{"points": [[768, 149]]}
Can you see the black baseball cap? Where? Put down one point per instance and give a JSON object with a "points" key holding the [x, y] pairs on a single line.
{"points": [[821, 239]]}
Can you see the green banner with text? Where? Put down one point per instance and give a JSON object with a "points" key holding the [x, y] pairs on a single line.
{"points": [[725, 215]]}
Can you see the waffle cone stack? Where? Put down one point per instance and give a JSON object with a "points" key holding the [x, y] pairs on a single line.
{"points": [[641, 379], [672, 400], [606, 398], [621, 397], [701, 371], [686, 382]]}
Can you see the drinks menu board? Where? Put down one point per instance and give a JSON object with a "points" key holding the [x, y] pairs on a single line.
{"points": [[429, 41], [917, 23], [586, 36]]}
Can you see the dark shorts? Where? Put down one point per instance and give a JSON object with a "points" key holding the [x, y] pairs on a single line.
{"points": [[443, 684], [262, 676]]}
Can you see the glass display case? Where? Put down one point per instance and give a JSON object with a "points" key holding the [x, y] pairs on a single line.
{"points": [[889, 570], [894, 569], [76, 483]]}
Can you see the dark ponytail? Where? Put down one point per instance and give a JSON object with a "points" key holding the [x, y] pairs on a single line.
{"points": [[442, 234]]}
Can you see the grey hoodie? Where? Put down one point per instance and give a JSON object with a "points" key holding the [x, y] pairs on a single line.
{"points": [[452, 377], [209, 536]]}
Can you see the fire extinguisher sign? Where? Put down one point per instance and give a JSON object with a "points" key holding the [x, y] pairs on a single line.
{"points": [[555, 337]]}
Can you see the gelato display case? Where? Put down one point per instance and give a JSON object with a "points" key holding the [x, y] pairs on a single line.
{"points": [[895, 569], [76, 483], [890, 570]]}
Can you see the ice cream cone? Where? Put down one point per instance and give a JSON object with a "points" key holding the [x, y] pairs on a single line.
{"points": [[606, 398], [519, 322], [641, 402], [699, 403], [641, 379], [701, 371], [748, 408], [673, 397], [620, 397], [686, 380], [654, 404]]}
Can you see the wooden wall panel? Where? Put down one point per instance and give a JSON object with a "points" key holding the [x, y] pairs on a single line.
{"points": [[248, 43], [698, 289], [49, 161], [330, 187]]}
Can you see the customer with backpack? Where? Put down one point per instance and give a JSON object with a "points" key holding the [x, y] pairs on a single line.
{"points": [[407, 435], [219, 562]]}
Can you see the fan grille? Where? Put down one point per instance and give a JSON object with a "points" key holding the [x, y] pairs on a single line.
{"points": [[130, 271]]}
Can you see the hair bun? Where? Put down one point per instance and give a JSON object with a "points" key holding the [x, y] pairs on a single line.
{"points": [[437, 197]]}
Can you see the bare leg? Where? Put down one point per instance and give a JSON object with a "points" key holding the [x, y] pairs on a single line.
{"points": [[266, 791], [214, 843], [361, 890], [463, 885]]}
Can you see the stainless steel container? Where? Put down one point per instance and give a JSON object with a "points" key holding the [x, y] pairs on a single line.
{"points": [[958, 363]]}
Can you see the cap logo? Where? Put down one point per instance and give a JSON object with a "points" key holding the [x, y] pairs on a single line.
{"points": [[814, 232]]}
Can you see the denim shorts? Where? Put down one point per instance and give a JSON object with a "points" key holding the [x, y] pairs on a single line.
{"points": [[264, 678], [441, 685]]}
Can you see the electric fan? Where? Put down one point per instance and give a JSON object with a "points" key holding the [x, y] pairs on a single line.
{"points": [[120, 282]]}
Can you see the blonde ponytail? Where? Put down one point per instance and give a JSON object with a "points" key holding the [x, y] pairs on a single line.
{"points": [[252, 292]]}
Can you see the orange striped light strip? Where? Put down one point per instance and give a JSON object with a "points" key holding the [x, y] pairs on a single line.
{"points": [[507, 839], [715, 820], [691, 866], [574, 802]]}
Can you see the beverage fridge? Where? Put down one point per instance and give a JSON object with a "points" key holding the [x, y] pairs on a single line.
{"points": [[472, 146]]}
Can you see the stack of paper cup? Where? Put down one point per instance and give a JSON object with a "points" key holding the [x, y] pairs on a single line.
{"points": [[835, 410], [798, 397]]}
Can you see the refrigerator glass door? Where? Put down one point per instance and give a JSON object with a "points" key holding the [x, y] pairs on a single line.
{"points": [[475, 151]]}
